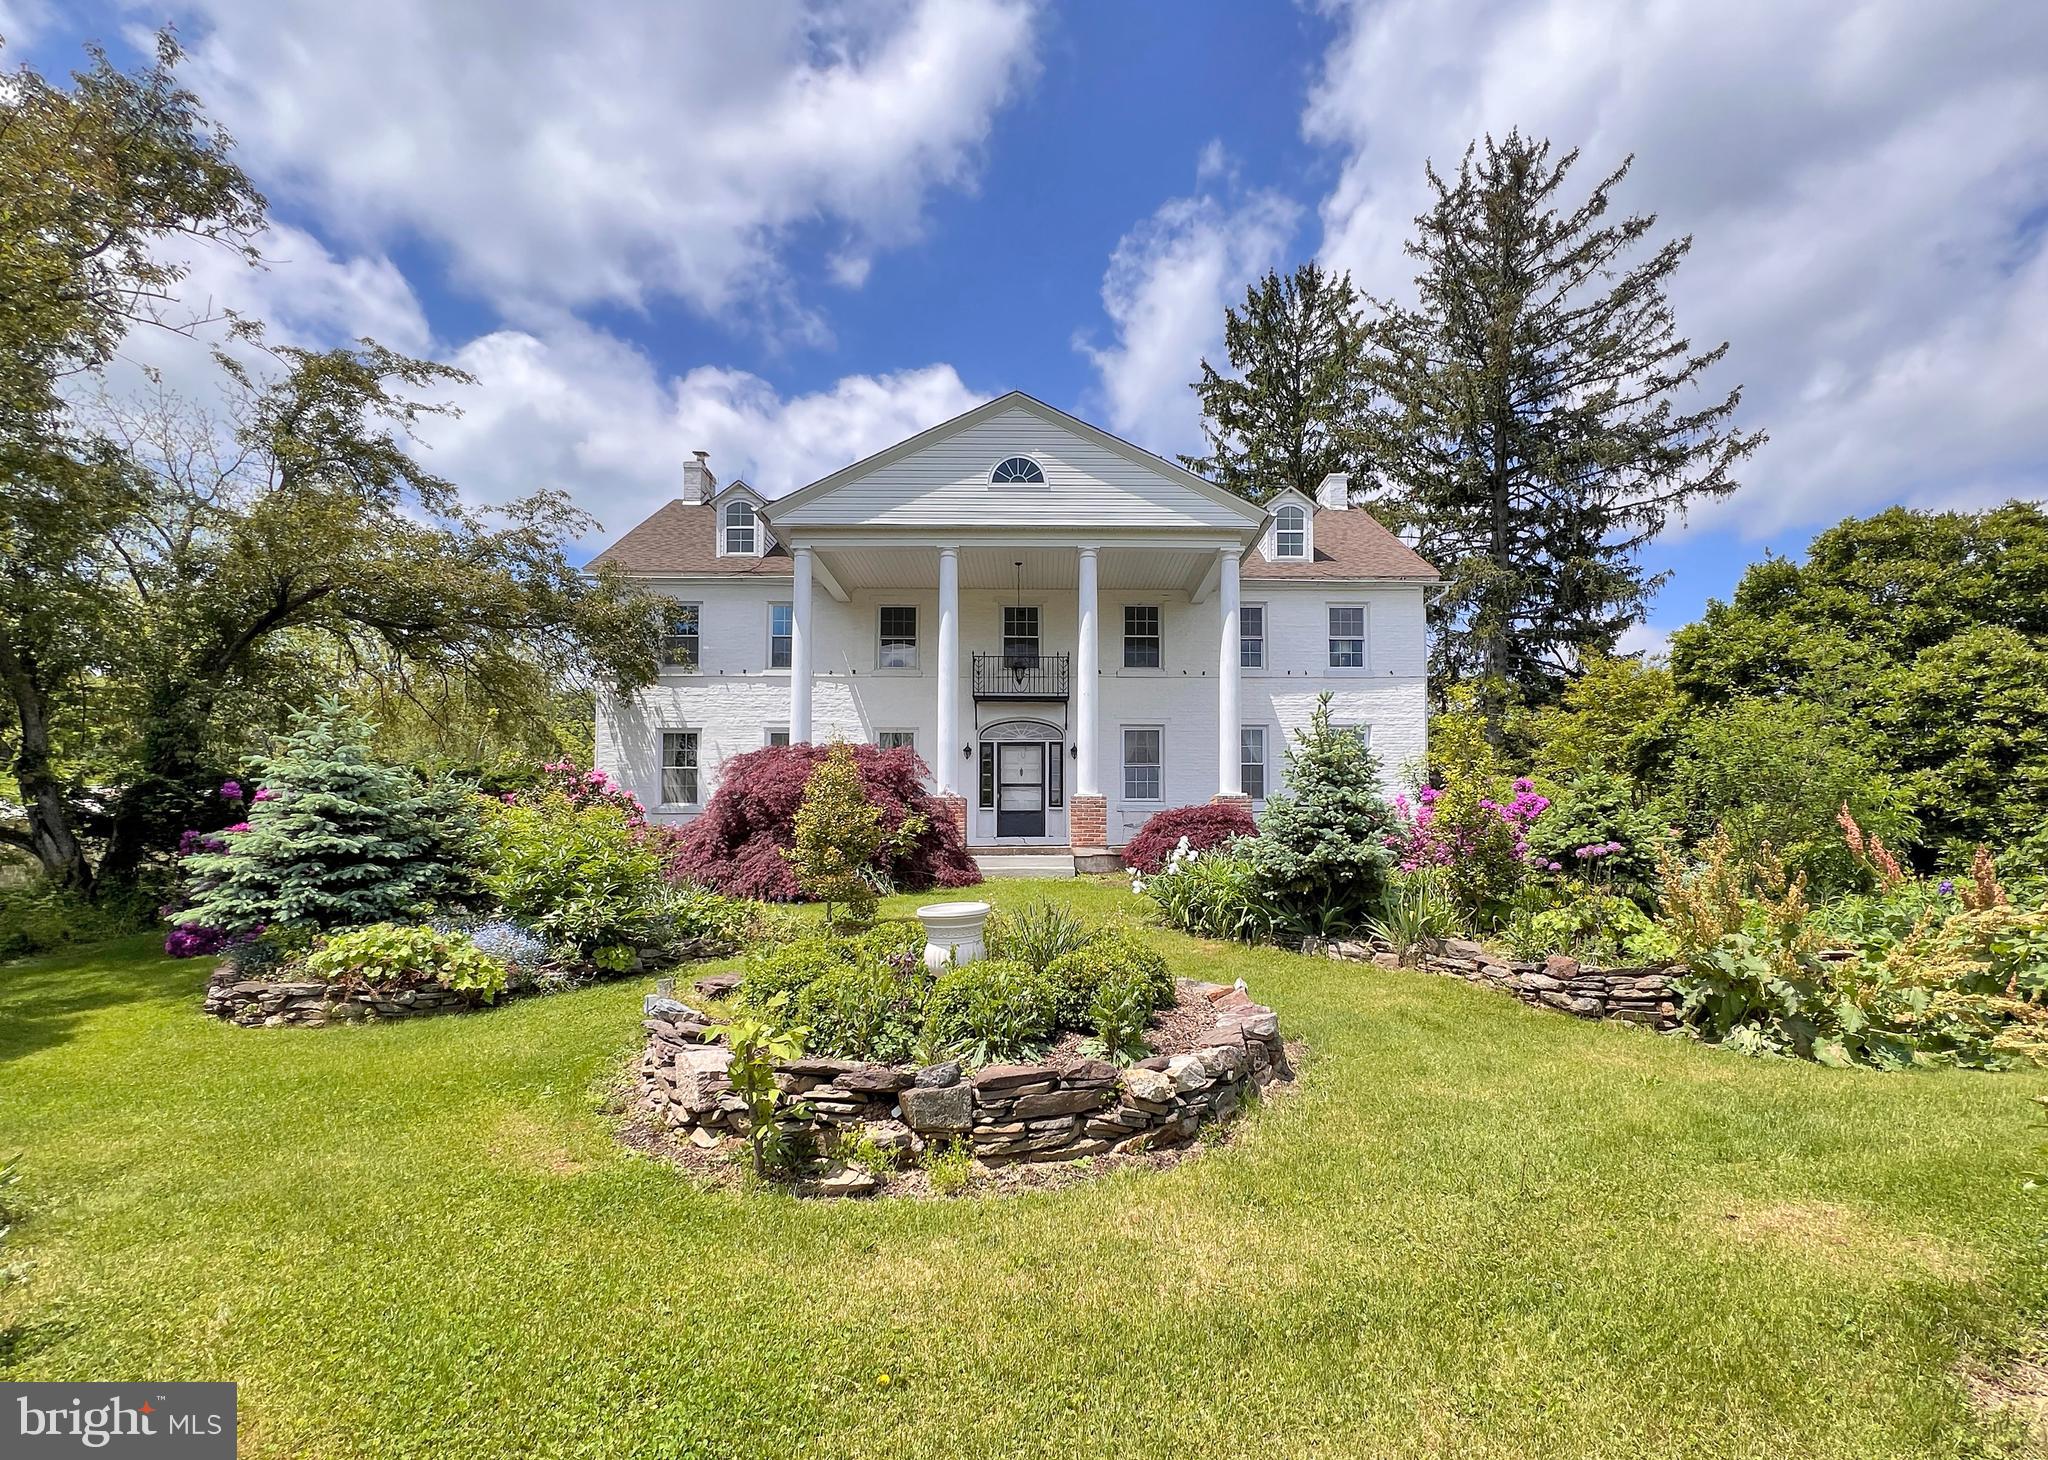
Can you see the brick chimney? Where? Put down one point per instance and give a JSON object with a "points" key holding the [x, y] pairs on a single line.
{"points": [[699, 485], [1334, 493]]}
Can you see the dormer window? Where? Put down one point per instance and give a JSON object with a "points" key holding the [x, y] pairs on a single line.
{"points": [[741, 530], [1014, 471], [1290, 532]]}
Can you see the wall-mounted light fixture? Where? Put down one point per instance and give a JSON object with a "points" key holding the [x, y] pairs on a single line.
{"points": [[967, 752]]}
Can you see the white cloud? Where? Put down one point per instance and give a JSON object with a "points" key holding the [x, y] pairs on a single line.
{"points": [[641, 150], [560, 405], [1865, 185], [1165, 292], [580, 409]]}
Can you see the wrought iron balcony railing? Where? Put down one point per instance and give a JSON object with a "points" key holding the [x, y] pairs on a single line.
{"points": [[1015, 676]]}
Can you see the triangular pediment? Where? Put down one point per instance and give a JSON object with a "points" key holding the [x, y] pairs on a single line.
{"points": [[942, 478]]}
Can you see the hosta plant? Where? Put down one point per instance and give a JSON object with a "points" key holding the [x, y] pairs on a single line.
{"points": [[387, 953]]}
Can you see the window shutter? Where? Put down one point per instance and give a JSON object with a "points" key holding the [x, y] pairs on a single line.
{"points": [[988, 775]]}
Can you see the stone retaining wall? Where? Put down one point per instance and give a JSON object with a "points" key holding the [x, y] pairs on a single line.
{"points": [[258, 1001], [1634, 995], [1005, 1113]]}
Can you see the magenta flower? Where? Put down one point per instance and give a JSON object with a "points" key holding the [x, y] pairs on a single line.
{"points": [[266, 794], [237, 827], [230, 790]]}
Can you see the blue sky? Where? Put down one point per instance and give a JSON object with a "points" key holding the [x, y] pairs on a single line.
{"points": [[793, 233]]}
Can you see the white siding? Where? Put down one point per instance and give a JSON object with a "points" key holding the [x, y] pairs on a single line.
{"points": [[1087, 485], [731, 702]]}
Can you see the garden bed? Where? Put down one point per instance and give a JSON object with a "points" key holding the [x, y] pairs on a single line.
{"points": [[310, 1003], [1213, 1048], [1642, 996]]}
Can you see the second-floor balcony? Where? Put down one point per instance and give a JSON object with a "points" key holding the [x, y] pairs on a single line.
{"points": [[1020, 676]]}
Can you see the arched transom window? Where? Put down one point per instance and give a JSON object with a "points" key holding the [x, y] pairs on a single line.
{"points": [[741, 530], [1290, 532], [1013, 470]]}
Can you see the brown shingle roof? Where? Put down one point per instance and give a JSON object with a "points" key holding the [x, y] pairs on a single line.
{"points": [[1349, 544], [683, 538]]}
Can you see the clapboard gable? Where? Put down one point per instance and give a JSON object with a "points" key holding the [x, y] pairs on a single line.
{"points": [[942, 478]]}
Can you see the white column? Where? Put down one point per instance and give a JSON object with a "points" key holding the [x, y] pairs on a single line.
{"points": [[1085, 734], [800, 650], [1229, 765], [945, 758]]}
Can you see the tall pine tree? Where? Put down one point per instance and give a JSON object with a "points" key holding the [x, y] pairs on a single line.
{"points": [[1295, 410], [1532, 433]]}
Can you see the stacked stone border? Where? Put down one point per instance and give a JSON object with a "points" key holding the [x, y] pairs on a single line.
{"points": [[253, 1002], [1005, 1113], [1633, 995]]}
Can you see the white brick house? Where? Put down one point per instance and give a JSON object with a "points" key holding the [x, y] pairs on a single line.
{"points": [[1071, 632]]}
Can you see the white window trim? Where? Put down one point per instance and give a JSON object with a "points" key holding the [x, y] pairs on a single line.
{"points": [[768, 641], [768, 734], [909, 730], [1360, 728], [1265, 758], [1364, 665], [1308, 547], [667, 620], [1123, 637], [1045, 477], [1265, 638], [661, 769], [723, 532], [916, 665], [1123, 747]]}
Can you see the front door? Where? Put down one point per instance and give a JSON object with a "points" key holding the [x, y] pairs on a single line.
{"points": [[1020, 788]]}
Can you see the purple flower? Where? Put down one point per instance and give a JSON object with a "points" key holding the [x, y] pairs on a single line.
{"points": [[1557, 866], [1947, 887], [230, 790], [266, 794]]}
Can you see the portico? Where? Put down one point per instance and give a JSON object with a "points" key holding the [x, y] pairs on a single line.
{"points": [[1016, 679]]}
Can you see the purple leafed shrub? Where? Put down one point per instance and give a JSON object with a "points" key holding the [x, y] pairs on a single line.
{"points": [[736, 845], [1203, 826]]}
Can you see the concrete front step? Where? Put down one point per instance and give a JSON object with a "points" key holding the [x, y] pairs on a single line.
{"points": [[1034, 863]]}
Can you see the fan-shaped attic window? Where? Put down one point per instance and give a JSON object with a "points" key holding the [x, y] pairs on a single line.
{"points": [[1017, 471]]}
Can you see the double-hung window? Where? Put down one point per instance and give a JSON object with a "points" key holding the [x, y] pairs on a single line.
{"points": [[679, 641], [899, 637], [1290, 532], [1347, 636], [741, 530], [679, 767], [1141, 636], [1251, 636], [781, 635], [1141, 762], [1020, 636], [1251, 756]]}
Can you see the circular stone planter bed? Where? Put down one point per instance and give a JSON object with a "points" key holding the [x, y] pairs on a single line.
{"points": [[309, 1003], [1213, 1048]]}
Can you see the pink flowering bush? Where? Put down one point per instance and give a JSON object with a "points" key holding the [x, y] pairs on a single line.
{"points": [[582, 789], [1477, 839], [736, 846]]}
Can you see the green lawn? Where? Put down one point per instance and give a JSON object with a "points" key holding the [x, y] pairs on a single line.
{"points": [[1471, 1230]]}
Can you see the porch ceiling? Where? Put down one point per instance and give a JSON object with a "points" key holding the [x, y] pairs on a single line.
{"points": [[1162, 569]]}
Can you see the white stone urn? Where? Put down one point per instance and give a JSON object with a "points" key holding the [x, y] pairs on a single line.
{"points": [[952, 933]]}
